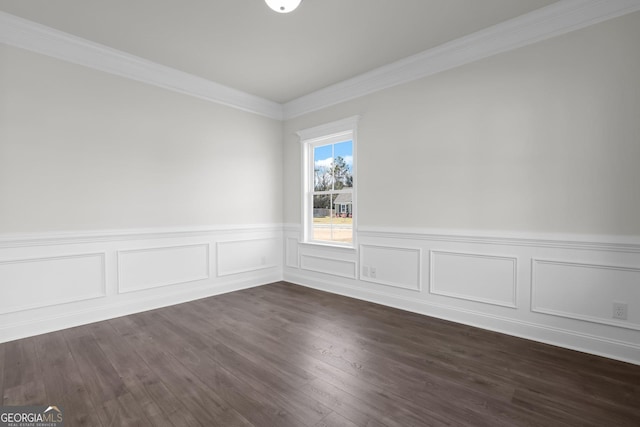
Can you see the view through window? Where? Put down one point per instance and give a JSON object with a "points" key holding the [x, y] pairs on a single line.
{"points": [[332, 194]]}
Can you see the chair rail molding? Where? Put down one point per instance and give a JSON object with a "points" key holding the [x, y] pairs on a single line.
{"points": [[503, 281], [53, 281]]}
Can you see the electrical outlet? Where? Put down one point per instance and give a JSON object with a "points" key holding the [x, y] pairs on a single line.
{"points": [[620, 310], [373, 272], [365, 271]]}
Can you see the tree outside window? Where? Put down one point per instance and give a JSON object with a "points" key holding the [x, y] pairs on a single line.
{"points": [[333, 192]]}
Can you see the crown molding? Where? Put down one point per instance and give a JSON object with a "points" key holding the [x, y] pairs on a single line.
{"points": [[38, 38], [547, 22], [554, 20]]}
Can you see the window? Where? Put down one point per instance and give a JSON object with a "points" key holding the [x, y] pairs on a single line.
{"points": [[329, 183]]}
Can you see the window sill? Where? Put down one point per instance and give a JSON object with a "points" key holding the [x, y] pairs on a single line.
{"points": [[328, 246]]}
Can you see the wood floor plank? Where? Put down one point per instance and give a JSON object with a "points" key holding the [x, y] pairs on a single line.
{"points": [[351, 357], [576, 411], [390, 409], [63, 382], [20, 362], [285, 355], [507, 392], [404, 381], [2, 364], [261, 350], [22, 383], [159, 405], [122, 411], [499, 374], [281, 326], [101, 379], [335, 420], [373, 335], [202, 401], [360, 411], [236, 392], [265, 381], [111, 398]]}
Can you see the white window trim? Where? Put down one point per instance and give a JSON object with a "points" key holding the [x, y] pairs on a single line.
{"points": [[326, 134]]}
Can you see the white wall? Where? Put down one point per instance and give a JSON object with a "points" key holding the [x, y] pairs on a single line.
{"points": [[507, 188], [85, 150], [542, 139], [117, 197], [509, 198]]}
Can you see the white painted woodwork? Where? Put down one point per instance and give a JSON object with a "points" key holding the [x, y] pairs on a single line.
{"points": [[586, 291], [147, 268], [32, 283], [475, 277], [291, 252], [506, 282], [242, 256], [556, 19], [332, 266], [52, 281], [393, 266]]}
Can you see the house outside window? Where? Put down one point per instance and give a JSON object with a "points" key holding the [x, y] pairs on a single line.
{"points": [[329, 183]]}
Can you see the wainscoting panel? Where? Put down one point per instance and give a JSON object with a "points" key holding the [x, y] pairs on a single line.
{"points": [[476, 277], [242, 256], [291, 252], [42, 282], [332, 266], [59, 280], [391, 266], [147, 268], [502, 282], [52, 281], [586, 291]]}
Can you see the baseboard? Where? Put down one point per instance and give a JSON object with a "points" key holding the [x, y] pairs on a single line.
{"points": [[58, 322], [613, 349], [554, 288], [56, 281]]}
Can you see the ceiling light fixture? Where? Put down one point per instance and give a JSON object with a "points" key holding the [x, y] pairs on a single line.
{"points": [[283, 6]]}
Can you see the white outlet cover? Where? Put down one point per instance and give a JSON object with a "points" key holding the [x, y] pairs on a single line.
{"points": [[620, 310]]}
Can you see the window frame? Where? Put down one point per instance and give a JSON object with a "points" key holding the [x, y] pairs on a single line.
{"points": [[330, 133]]}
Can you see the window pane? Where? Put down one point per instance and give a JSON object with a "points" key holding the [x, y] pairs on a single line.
{"points": [[333, 218], [342, 224], [322, 217], [322, 168], [343, 165]]}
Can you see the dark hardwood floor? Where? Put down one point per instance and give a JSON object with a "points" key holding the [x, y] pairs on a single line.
{"points": [[284, 355]]}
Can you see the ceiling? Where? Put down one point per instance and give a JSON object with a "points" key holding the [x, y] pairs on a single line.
{"points": [[244, 45]]}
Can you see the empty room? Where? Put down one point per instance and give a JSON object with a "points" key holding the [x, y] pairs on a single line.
{"points": [[314, 213]]}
